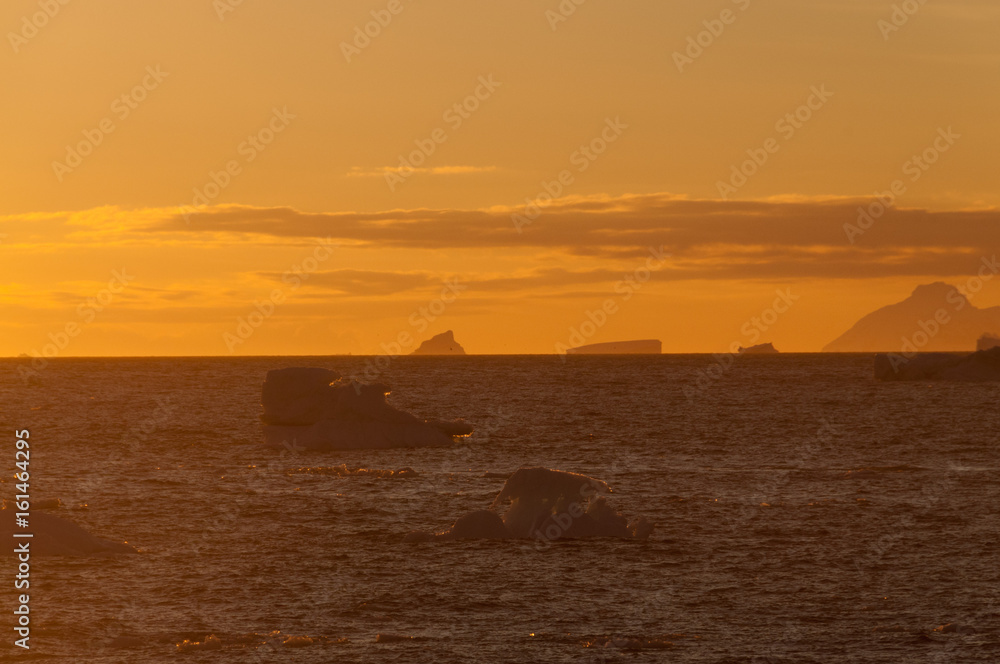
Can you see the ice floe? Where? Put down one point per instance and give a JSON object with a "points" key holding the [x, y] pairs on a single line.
{"points": [[545, 504], [308, 408]]}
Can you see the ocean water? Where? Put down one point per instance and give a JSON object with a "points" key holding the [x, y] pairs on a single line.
{"points": [[804, 513]]}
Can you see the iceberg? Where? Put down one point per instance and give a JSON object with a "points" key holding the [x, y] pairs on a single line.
{"points": [[759, 349], [640, 347], [296, 396], [988, 341], [308, 408], [440, 344], [983, 365], [545, 504], [55, 536]]}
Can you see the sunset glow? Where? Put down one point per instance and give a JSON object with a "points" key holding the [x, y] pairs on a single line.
{"points": [[211, 149]]}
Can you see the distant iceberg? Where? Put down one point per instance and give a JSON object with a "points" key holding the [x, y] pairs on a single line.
{"points": [[547, 505], [316, 409], [55, 536], [983, 365], [988, 341], [640, 347], [759, 349], [440, 344]]}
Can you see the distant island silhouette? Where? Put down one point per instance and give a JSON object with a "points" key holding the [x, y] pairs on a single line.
{"points": [[935, 317], [440, 344], [640, 347]]}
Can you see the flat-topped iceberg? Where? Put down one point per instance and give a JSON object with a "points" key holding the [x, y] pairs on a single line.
{"points": [[316, 409], [759, 349], [640, 347], [983, 365], [545, 504]]}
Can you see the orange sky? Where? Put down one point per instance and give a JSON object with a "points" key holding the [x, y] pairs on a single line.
{"points": [[348, 189]]}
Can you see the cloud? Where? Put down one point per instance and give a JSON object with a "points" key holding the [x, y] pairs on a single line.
{"points": [[780, 238], [379, 283], [711, 239], [364, 282], [382, 171]]}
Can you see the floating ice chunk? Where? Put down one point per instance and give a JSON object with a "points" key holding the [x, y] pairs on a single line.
{"points": [[296, 395], [554, 504], [759, 349], [983, 365], [481, 524], [314, 409], [548, 505], [55, 536], [988, 341], [539, 494]]}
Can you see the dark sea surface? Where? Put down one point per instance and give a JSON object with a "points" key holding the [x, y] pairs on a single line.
{"points": [[804, 513]]}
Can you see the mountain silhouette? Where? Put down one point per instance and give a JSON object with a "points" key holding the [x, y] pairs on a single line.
{"points": [[935, 317]]}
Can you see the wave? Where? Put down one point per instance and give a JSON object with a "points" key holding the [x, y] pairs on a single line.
{"points": [[343, 471]]}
